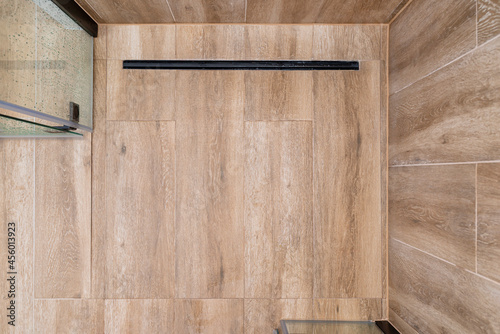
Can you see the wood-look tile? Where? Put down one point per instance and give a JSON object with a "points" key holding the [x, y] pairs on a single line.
{"points": [[450, 116], [134, 316], [208, 11], [347, 42], [264, 315], [278, 210], [140, 195], [128, 11], [488, 20], [433, 296], [400, 324], [99, 179], [488, 220], [348, 309], [276, 42], [141, 42], [209, 215], [278, 95], [433, 208], [63, 218], [347, 183], [210, 41], [101, 44], [139, 95], [208, 316], [326, 11], [428, 35], [16, 206], [69, 316]]}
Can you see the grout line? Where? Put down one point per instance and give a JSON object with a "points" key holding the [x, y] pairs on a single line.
{"points": [[475, 250], [482, 276], [34, 191], [171, 12], [420, 250], [447, 163], [477, 18], [246, 6], [387, 168], [399, 13], [241, 24], [445, 65]]}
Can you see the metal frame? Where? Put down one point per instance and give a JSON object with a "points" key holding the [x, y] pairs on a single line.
{"points": [[73, 10], [384, 325], [240, 65]]}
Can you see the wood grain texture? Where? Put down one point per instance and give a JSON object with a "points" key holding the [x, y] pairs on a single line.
{"points": [[134, 316], [141, 42], [210, 41], [208, 316], [101, 44], [268, 42], [347, 42], [428, 35], [140, 197], [264, 315], [278, 95], [63, 218], [433, 209], [278, 210], [208, 11], [400, 324], [139, 95], [488, 220], [69, 316], [128, 11], [99, 179], [348, 309], [320, 11], [17, 206], [451, 115], [209, 215], [347, 183], [433, 296], [488, 20]]}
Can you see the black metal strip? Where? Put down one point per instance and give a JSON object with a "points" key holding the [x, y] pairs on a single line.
{"points": [[386, 327], [240, 65], [73, 10]]}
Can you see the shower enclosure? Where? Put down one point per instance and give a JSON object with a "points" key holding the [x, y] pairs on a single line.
{"points": [[46, 56]]}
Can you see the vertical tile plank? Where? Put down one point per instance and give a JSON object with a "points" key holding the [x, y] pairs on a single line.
{"points": [[209, 215], [347, 183], [208, 11], [140, 195], [63, 218], [348, 309], [278, 210]]}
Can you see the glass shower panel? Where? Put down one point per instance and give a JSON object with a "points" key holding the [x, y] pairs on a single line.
{"points": [[329, 327], [11, 127]]}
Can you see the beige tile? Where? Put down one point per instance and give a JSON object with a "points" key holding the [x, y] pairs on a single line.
{"points": [[348, 309], [488, 20]]}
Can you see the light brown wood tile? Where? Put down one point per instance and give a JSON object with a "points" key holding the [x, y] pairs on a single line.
{"points": [[208, 316], [208, 11], [348, 309], [136, 316], [268, 42], [488, 20], [433, 208], [69, 316], [347, 183], [428, 35], [127, 11], [488, 220], [100, 44], [212, 41], [145, 95], [434, 296], [16, 205], [326, 11], [99, 180], [347, 42], [63, 218], [264, 315], [450, 116], [209, 215], [140, 195], [141, 42], [278, 95], [278, 210], [400, 324]]}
